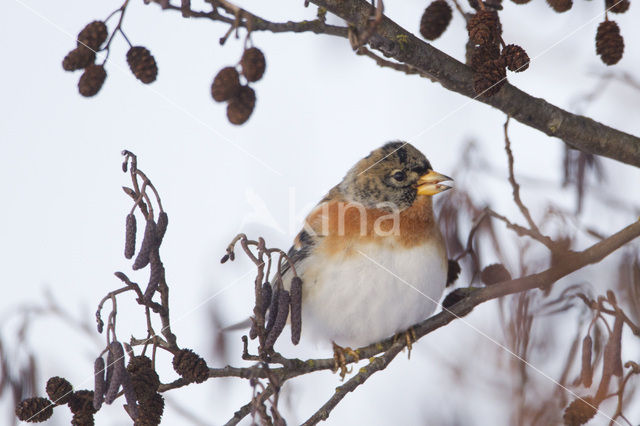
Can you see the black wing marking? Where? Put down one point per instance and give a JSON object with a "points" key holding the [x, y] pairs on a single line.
{"points": [[300, 250]]}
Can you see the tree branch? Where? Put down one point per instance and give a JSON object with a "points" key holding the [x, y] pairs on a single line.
{"points": [[247, 408], [391, 346], [379, 363], [578, 131], [257, 23]]}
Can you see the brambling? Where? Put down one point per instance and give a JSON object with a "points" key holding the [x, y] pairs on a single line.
{"points": [[371, 255]]}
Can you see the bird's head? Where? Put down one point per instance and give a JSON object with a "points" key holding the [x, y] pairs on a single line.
{"points": [[396, 173]]}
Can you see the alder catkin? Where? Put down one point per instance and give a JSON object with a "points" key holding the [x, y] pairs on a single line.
{"points": [[586, 372], [273, 309], [161, 228], [99, 387], [266, 293], [149, 243], [119, 370], [130, 236], [284, 300], [615, 340], [296, 309], [155, 275]]}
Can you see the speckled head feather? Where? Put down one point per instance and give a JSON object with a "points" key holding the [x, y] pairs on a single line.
{"points": [[387, 175]]}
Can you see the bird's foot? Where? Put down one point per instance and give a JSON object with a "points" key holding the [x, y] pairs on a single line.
{"points": [[340, 359], [409, 337]]}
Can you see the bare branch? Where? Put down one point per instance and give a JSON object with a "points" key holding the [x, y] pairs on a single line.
{"points": [[257, 23], [578, 131]]}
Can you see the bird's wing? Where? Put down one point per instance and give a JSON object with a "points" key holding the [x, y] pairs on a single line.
{"points": [[311, 233], [301, 249], [302, 246]]}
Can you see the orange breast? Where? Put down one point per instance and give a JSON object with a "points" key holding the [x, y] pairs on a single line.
{"points": [[344, 225]]}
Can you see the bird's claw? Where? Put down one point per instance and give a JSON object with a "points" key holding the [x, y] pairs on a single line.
{"points": [[409, 337], [340, 359]]}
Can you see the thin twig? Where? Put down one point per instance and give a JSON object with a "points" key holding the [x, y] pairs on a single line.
{"points": [[316, 26], [515, 186]]}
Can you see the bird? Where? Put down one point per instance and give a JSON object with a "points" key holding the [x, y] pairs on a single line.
{"points": [[371, 256]]}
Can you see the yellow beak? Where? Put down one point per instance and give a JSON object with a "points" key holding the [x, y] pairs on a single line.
{"points": [[429, 184]]}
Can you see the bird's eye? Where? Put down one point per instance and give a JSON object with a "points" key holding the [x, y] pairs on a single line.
{"points": [[399, 176]]}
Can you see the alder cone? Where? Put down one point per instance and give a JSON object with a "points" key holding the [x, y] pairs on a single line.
{"points": [[490, 78], [484, 53], [79, 58], [617, 6], [494, 274], [142, 64], [515, 58], [484, 27], [226, 84], [82, 419], [150, 413], [435, 19], [34, 410], [91, 80], [81, 402], [580, 411], [190, 366], [144, 378], [59, 390], [609, 42], [493, 4], [253, 64], [521, 1], [241, 106], [560, 5], [93, 35]]}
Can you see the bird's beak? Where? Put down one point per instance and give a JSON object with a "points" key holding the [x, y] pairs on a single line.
{"points": [[429, 184]]}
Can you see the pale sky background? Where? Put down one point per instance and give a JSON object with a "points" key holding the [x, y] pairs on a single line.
{"points": [[319, 109]]}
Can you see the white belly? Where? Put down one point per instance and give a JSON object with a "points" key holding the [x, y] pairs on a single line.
{"points": [[372, 294]]}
